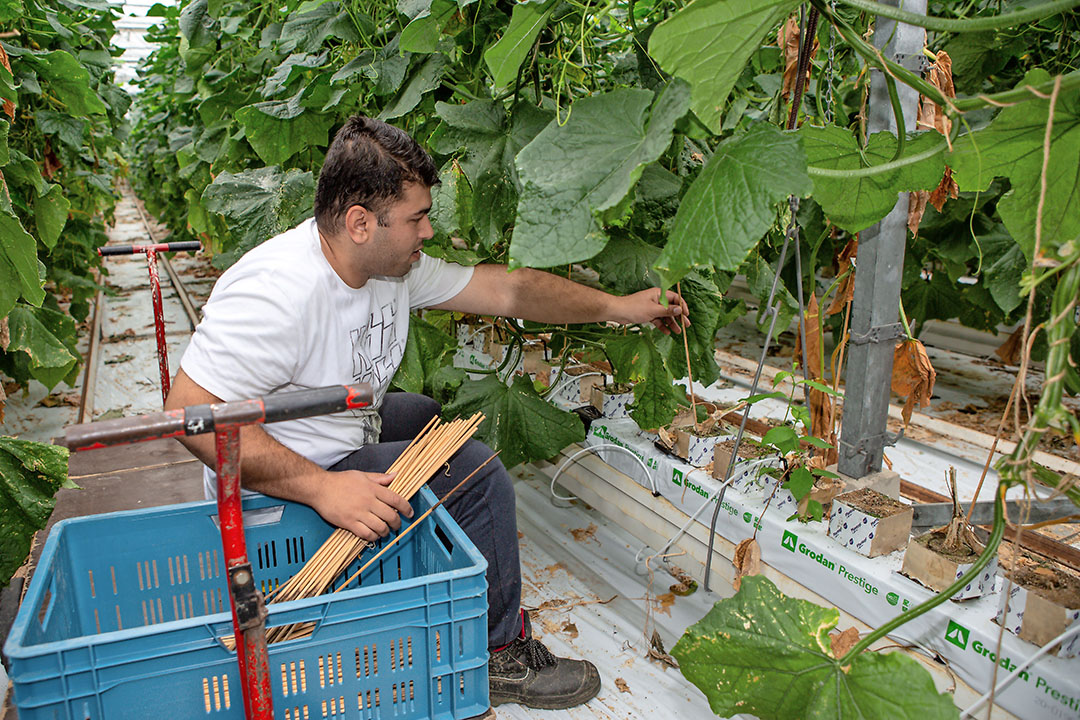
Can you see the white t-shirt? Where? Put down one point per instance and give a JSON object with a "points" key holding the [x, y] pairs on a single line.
{"points": [[281, 319]]}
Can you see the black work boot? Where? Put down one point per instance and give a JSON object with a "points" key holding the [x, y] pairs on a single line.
{"points": [[528, 673]]}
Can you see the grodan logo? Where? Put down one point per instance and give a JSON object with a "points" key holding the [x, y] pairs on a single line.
{"points": [[957, 634], [790, 540]]}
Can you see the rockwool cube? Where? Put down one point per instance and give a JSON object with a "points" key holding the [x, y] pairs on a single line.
{"points": [[869, 522]]}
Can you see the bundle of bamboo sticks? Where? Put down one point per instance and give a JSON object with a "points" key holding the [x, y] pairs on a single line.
{"points": [[422, 458]]}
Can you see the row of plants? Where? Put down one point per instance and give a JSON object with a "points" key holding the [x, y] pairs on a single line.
{"points": [[62, 125], [641, 142]]}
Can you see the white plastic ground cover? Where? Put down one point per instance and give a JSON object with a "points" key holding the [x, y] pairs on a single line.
{"points": [[870, 589]]}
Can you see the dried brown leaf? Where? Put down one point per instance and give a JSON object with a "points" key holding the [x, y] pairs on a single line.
{"points": [[915, 210], [1011, 350], [667, 439], [789, 38], [946, 189], [747, 560], [841, 642], [931, 117], [5, 333], [913, 376]]}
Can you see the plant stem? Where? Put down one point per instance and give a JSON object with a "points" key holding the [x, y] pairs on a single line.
{"points": [[898, 116], [989, 552], [997, 22], [878, 169], [904, 322]]}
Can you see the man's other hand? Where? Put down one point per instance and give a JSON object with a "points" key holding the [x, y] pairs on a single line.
{"points": [[361, 502], [646, 306]]}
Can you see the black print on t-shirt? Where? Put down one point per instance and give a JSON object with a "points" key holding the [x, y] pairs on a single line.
{"points": [[376, 350]]}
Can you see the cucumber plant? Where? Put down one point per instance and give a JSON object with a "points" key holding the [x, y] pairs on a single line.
{"points": [[641, 141]]}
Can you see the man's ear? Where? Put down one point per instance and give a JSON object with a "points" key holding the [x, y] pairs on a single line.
{"points": [[360, 224]]}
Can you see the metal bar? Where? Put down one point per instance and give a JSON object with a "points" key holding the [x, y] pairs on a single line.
{"points": [[199, 419], [940, 513], [877, 276], [159, 324], [155, 247]]}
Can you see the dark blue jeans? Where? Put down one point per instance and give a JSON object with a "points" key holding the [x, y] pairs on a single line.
{"points": [[484, 507]]}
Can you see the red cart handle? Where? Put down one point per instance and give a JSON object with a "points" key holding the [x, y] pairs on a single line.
{"points": [[199, 419], [156, 247]]}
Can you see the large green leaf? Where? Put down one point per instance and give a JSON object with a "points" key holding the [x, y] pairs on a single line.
{"points": [[1012, 147], [51, 212], [30, 475], [625, 264], [708, 42], [518, 422], [526, 21], [278, 129], [424, 353], [19, 252], [635, 358], [306, 32], [291, 67], [451, 203], [1003, 267], [491, 141], [704, 302], [424, 78], [570, 173], [732, 203], [258, 204], [198, 35], [765, 654], [422, 33], [857, 203], [47, 337], [70, 130], [66, 79]]}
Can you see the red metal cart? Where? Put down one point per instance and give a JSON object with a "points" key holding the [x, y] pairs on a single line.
{"points": [[151, 252], [225, 420]]}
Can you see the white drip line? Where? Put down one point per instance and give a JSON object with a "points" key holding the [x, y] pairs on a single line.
{"points": [[570, 379], [970, 711], [752, 465], [593, 449]]}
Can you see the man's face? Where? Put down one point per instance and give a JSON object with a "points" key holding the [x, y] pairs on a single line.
{"points": [[396, 247]]}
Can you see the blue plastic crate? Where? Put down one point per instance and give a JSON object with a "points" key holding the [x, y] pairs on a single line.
{"points": [[124, 616]]}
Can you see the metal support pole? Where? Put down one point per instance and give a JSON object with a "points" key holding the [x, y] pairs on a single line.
{"points": [[248, 609], [159, 324], [875, 308]]}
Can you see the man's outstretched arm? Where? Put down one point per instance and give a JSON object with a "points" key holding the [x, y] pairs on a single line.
{"points": [[358, 501], [543, 297]]}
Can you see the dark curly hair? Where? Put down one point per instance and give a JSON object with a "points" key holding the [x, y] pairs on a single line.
{"points": [[368, 164]]}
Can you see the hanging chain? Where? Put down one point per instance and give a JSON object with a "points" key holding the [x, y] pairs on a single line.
{"points": [[830, 69]]}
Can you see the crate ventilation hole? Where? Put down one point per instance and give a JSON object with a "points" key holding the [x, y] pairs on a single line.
{"points": [[216, 693]]}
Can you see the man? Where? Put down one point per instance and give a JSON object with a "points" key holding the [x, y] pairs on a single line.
{"points": [[328, 303]]}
